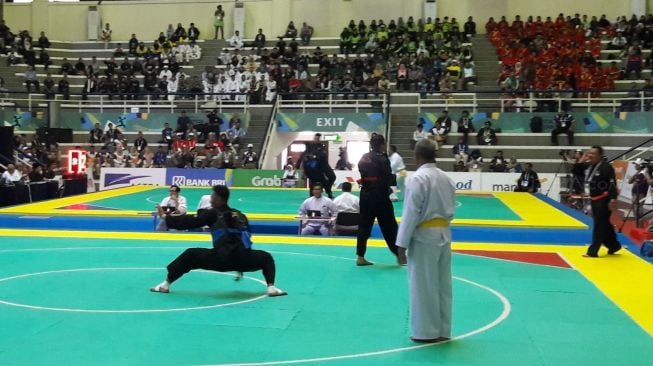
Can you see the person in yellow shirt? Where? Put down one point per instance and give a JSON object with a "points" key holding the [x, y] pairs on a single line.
{"points": [[429, 26]]}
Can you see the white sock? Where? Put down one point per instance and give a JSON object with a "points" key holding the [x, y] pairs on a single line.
{"points": [[273, 290], [165, 284]]}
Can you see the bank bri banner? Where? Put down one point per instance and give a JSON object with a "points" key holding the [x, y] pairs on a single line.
{"points": [[331, 122], [198, 177]]}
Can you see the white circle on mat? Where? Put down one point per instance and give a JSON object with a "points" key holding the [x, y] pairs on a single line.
{"points": [[37, 307]]}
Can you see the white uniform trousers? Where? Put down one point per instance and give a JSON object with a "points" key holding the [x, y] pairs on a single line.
{"points": [[429, 279]]}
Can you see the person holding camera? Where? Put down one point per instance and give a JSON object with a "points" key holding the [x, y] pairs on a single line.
{"points": [[577, 170], [641, 181], [564, 123]]}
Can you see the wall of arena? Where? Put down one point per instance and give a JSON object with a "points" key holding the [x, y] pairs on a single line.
{"points": [[66, 21]]}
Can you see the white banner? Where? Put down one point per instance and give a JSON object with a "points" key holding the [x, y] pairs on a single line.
{"points": [[506, 182], [111, 178], [477, 182]]}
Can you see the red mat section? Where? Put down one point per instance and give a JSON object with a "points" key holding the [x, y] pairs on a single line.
{"points": [[547, 259]]}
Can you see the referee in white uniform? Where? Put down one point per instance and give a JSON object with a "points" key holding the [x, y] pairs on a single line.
{"points": [[425, 235]]}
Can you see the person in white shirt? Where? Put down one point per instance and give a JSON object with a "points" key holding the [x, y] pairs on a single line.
{"points": [[419, 134], [347, 202], [12, 175], [235, 41], [399, 169], [225, 57], [289, 176], [317, 203], [204, 203], [439, 134], [425, 237], [270, 90], [173, 85], [232, 86], [195, 51], [165, 72], [175, 203], [182, 53]]}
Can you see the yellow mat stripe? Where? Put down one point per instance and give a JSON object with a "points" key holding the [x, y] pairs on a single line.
{"points": [[624, 278], [533, 211], [536, 212], [49, 207]]}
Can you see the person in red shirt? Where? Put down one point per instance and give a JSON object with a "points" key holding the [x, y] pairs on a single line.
{"points": [[178, 143], [490, 26], [517, 24], [503, 23]]}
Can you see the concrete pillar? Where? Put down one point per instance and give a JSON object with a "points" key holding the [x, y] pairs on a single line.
{"points": [[638, 7], [282, 13], [40, 18]]}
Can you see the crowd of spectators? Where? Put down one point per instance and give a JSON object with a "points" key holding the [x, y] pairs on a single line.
{"points": [[561, 57], [159, 65], [188, 145], [422, 56]]}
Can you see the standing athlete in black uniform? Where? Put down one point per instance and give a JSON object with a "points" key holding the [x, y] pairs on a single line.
{"points": [[601, 185], [376, 180], [231, 245]]}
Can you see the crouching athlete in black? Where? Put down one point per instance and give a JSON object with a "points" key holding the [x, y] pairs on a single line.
{"points": [[231, 245]]}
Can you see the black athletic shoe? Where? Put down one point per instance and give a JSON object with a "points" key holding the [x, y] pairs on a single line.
{"points": [[613, 251]]}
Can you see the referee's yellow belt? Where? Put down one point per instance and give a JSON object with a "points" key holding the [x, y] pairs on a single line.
{"points": [[436, 222]]}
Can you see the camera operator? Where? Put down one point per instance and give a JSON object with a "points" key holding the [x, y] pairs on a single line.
{"points": [[641, 182], [564, 123], [577, 170]]}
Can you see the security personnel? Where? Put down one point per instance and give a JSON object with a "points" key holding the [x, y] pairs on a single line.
{"points": [[231, 245], [601, 185], [315, 163], [376, 180], [528, 180]]}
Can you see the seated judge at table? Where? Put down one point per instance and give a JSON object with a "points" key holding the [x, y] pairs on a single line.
{"points": [[319, 207], [174, 204]]}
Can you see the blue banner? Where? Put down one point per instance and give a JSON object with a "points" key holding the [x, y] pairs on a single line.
{"points": [[198, 177]]}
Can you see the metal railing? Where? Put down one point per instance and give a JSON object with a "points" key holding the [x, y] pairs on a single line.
{"points": [[329, 101], [533, 101], [630, 101], [127, 101], [271, 125]]}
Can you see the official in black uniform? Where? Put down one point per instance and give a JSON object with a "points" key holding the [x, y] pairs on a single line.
{"points": [[601, 185], [315, 163], [528, 180], [231, 245], [376, 180], [564, 123]]}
